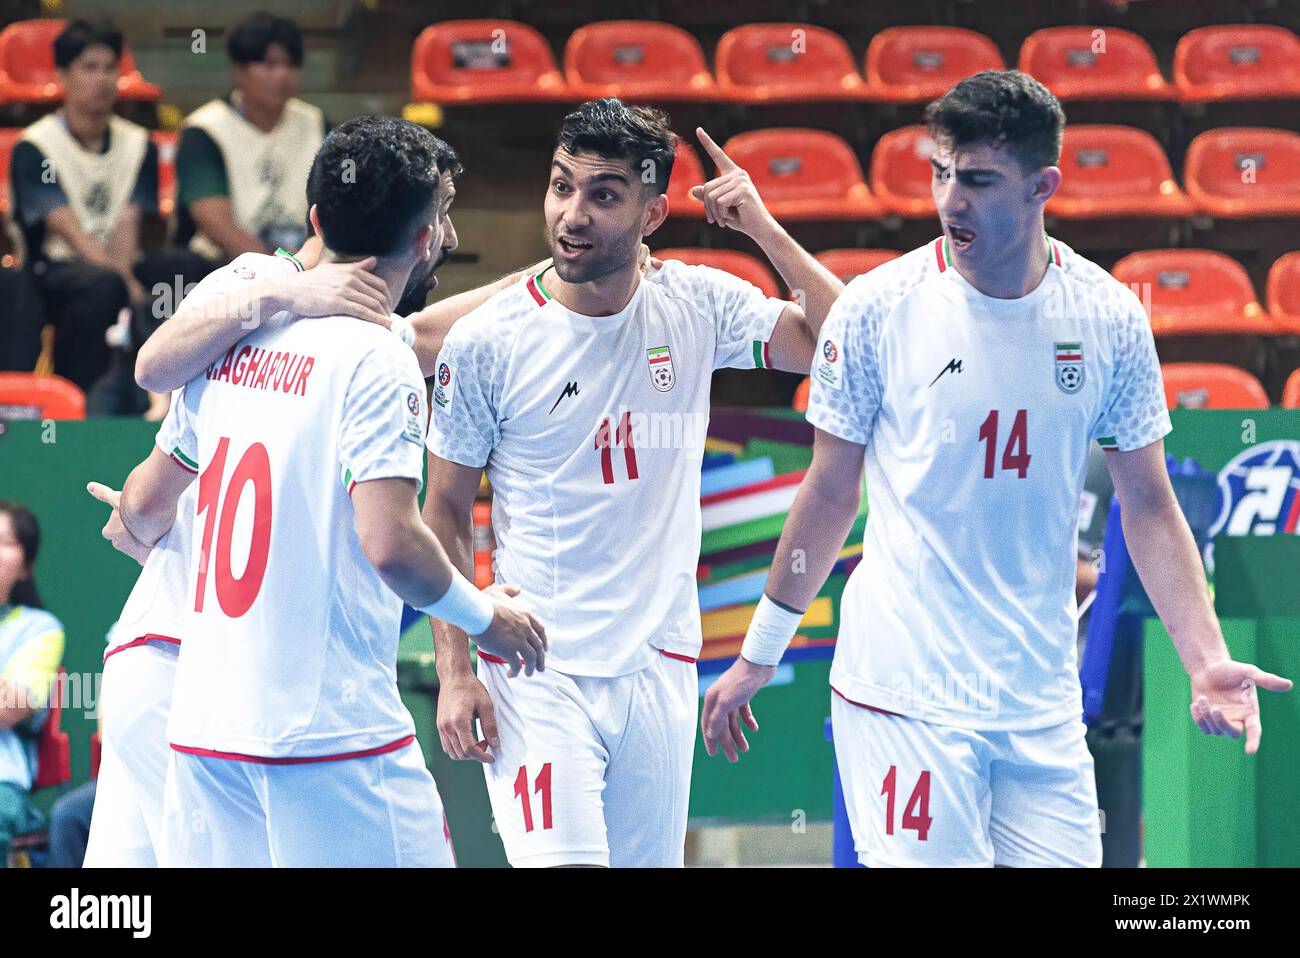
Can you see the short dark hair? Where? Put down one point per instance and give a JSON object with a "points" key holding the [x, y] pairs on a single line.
{"points": [[28, 533], [611, 128], [372, 177], [80, 35], [1001, 107], [252, 37]]}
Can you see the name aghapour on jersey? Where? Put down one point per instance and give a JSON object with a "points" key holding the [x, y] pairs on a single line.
{"points": [[290, 635], [976, 415], [592, 431]]}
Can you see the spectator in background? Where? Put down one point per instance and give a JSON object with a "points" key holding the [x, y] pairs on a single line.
{"points": [[242, 161], [83, 179], [21, 322], [1094, 508], [31, 647]]}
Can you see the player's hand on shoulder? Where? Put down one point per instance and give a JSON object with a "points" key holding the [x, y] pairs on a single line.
{"points": [[648, 262], [461, 699], [730, 199], [114, 530], [1225, 699], [337, 289], [515, 634], [726, 706]]}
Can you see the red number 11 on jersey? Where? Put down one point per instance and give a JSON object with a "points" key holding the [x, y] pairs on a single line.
{"points": [[606, 439]]}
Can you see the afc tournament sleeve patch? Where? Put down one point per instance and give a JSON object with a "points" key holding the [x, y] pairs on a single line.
{"points": [[829, 368], [444, 386], [412, 408]]}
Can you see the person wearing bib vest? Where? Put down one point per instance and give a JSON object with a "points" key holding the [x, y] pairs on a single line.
{"points": [[81, 179], [242, 160], [31, 646]]}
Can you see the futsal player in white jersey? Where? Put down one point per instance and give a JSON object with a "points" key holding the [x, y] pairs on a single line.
{"points": [[584, 391], [290, 743], [970, 376], [140, 662]]}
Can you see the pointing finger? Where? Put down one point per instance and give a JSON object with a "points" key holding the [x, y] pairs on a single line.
{"points": [[720, 159]]}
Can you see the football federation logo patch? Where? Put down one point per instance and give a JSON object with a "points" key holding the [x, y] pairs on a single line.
{"points": [[413, 421], [444, 387], [827, 368], [1069, 367], [661, 368]]}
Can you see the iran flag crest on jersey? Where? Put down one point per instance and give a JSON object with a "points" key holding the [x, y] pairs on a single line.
{"points": [[661, 368], [1069, 366]]}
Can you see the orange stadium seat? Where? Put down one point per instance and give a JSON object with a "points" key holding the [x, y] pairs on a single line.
{"points": [[29, 396], [484, 61], [1244, 171], [800, 401], [1291, 391], [636, 60], [784, 62], [687, 172], [848, 263], [1115, 171], [1091, 63], [1283, 291], [7, 140], [901, 172], [1193, 291], [804, 174], [1238, 62], [730, 261], [1211, 386], [28, 74], [166, 143], [915, 64]]}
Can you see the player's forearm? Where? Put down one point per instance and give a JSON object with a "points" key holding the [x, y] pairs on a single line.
{"points": [[814, 532], [215, 219], [815, 287], [1165, 556], [453, 528], [198, 334], [124, 242], [146, 511]]}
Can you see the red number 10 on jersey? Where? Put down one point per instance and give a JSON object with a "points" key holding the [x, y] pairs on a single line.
{"points": [[235, 595]]}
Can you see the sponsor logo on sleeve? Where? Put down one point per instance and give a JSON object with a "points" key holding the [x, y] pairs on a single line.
{"points": [[444, 385], [829, 369], [413, 414]]}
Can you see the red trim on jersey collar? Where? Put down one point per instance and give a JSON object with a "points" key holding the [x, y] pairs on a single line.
{"points": [[297, 760], [861, 705], [143, 640], [535, 290]]}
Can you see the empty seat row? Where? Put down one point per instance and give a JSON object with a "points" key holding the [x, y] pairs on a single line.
{"points": [[483, 61], [1108, 171], [1186, 292]]}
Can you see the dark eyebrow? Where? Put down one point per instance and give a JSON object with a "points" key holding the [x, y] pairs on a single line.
{"points": [[971, 171], [599, 177]]}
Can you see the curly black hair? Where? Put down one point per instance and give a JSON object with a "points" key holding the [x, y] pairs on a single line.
{"points": [[374, 177], [638, 134], [1001, 107]]}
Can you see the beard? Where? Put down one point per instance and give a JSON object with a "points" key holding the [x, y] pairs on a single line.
{"points": [[597, 264], [418, 286]]}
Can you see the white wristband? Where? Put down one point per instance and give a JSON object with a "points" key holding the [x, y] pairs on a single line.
{"points": [[770, 632], [403, 328], [463, 606]]}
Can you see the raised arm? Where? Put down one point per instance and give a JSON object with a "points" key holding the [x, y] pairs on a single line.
{"points": [[814, 532], [1224, 696], [147, 506], [732, 202], [205, 326]]}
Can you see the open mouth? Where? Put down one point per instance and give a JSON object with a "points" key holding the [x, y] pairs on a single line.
{"points": [[572, 247], [961, 237]]}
